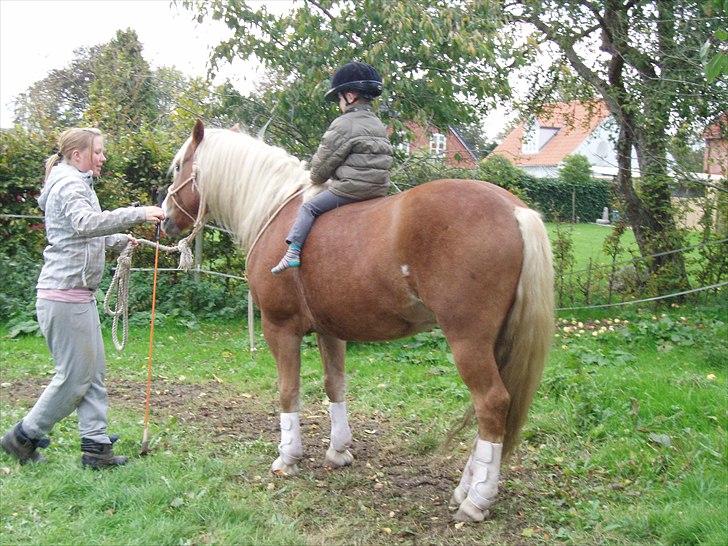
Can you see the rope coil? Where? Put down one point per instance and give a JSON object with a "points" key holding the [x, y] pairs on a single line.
{"points": [[119, 287]]}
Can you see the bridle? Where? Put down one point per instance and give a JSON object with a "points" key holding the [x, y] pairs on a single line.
{"points": [[172, 191]]}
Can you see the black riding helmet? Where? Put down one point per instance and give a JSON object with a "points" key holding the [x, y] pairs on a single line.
{"points": [[355, 76]]}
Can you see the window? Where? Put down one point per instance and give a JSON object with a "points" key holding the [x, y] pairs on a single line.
{"points": [[530, 138], [438, 145]]}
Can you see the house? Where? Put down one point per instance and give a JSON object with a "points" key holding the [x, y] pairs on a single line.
{"points": [[540, 144], [715, 157], [446, 145]]}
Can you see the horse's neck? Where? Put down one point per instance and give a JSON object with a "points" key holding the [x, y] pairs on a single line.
{"points": [[249, 215]]}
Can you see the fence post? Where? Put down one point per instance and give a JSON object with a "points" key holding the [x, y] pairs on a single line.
{"points": [[198, 254], [251, 322]]}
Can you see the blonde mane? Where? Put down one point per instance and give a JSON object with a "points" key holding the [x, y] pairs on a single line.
{"points": [[244, 180]]}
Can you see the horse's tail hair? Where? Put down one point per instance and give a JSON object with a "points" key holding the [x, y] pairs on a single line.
{"points": [[524, 342]]}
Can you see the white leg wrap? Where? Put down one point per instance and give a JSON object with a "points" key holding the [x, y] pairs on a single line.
{"points": [[484, 466], [338, 454], [461, 491], [291, 447], [340, 431]]}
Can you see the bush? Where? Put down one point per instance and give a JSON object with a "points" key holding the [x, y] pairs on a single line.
{"points": [[19, 273], [498, 170]]}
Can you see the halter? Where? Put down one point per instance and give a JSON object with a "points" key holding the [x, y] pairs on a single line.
{"points": [[172, 191], [185, 261]]}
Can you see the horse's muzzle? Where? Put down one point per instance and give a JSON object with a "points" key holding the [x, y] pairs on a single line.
{"points": [[169, 228]]}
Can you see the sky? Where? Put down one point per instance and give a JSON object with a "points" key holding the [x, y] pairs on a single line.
{"points": [[37, 36]]}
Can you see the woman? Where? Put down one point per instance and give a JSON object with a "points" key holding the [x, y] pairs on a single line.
{"points": [[78, 233]]}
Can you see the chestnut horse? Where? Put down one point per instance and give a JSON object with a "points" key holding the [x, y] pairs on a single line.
{"points": [[462, 254]]}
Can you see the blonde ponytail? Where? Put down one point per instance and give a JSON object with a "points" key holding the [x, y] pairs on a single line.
{"points": [[51, 162], [76, 138]]}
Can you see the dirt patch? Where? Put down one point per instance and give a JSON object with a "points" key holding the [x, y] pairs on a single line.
{"points": [[403, 495]]}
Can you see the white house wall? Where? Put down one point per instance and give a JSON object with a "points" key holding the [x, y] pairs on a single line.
{"points": [[541, 171], [600, 147]]}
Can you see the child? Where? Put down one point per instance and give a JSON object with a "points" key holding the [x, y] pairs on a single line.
{"points": [[355, 154]]}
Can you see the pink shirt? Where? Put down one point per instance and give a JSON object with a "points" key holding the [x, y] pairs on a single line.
{"points": [[67, 295]]}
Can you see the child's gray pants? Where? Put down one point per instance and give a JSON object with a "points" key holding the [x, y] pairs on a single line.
{"points": [[73, 334], [310, 210]]}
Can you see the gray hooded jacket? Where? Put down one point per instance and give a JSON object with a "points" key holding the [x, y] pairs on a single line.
{"points": [[78, 230]]}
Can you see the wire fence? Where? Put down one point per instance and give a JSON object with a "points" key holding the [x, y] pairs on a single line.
{"points": [[594, 287], [198, 257], [633, 281]]}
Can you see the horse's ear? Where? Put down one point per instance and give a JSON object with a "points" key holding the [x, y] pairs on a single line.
{"points": [[235, 128], [198, 133]]}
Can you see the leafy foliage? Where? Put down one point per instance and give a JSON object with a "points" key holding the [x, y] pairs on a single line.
{"points": [[576, 170], [561, 200], [438, 59], [498, 170], [642, 59], [146, 117]]}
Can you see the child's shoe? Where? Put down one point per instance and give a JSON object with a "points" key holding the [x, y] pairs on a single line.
{"points": [[292, 258]]}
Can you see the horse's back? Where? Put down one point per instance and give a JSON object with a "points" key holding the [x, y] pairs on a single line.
{"points": [[389, 267]]}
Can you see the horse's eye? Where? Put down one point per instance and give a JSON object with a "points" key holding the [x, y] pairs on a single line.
{"points": [[176, 167]]}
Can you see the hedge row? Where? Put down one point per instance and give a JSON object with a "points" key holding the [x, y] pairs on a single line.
{"points": [[559, 200]]}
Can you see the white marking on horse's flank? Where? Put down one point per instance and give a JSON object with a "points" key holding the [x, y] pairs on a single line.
{"points": [[405, 270]]}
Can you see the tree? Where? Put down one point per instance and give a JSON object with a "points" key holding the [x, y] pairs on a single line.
{"points": [[576, 170], [497, 169], [715, 49], [438, 59], [648, 71], [61, 98], [122, 93]]}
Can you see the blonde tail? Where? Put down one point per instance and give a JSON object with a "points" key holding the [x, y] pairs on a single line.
{"points": [[524, 343]]}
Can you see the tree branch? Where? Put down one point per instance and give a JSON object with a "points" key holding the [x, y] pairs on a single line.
{"points": [[331, 18]]}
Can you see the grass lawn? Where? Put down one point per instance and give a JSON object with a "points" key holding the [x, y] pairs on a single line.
{"points": [[588, 242], [626, 443]]}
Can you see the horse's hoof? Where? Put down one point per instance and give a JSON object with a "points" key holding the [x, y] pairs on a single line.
{"points": [[279, 468], [469, 512], [458, 496], [337, 459]]}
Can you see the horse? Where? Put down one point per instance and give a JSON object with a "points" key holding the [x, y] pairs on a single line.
{"points": [[464, 255]]}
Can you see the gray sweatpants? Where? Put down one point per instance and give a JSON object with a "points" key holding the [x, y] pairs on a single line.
{"points": [[73, 334], [310, 210]]}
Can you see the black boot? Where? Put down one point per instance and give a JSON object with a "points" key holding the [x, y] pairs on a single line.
{"points": [[17, 444], [98, 456]]}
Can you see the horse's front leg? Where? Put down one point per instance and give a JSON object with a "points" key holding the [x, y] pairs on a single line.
{"points": [[285, 345], [333, 351]]}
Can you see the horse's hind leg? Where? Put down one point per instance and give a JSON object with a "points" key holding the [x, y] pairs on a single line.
{"points": [[333, 351], [285, 345], [478, 486]]}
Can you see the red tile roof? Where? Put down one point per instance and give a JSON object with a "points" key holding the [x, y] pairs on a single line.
{"points": [[575, 121]]}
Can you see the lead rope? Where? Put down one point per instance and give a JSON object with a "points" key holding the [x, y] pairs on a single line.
{"points": [[119, 286], [145, 436], [119, 289]]}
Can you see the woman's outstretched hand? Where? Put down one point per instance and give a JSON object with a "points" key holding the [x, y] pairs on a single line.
{"points": [[154, 214]]}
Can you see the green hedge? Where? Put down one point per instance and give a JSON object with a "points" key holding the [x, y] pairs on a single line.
{"points": [[553, 197]]}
